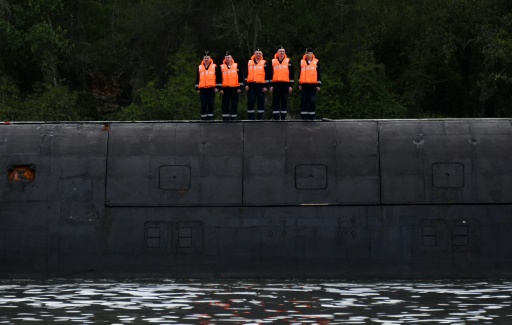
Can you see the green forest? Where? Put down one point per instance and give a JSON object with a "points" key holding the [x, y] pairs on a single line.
{"points": [[136, 60]]}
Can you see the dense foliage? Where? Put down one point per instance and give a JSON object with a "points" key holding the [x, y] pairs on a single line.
{"points": [[137, 59]]}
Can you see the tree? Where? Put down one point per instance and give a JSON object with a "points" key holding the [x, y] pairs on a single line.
{"points": [[176, 101], [52, 103], [136, 59], [9, 99], [35, 44]]}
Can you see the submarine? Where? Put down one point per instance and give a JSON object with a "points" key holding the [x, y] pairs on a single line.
{"points": [[332, 199]]}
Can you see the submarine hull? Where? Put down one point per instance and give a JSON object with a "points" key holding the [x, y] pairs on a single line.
{"points": [[401, 199]]}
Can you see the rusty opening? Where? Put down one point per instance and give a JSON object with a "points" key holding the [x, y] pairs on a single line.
{"points": [[21, 173]]}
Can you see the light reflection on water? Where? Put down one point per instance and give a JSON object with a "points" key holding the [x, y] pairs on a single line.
{"points": [[254, 302]]}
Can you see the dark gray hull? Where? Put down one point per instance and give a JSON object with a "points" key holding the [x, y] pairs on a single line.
{"points": [[337, 199]]}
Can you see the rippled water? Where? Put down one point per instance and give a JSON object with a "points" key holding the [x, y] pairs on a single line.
{"points": [[254, 302]]}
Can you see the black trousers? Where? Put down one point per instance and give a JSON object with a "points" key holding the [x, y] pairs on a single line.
{"points": [[207, 98], [256, 94], [308, 102], [230, 103], [280, 100]]}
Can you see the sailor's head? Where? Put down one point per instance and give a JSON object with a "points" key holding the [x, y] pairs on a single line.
{"points": [[206, 57], [281, 51], [258, 54], [228, 57], [309, 53]]}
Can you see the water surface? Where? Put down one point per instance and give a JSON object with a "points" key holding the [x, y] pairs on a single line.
{"points": [[254, 302]]}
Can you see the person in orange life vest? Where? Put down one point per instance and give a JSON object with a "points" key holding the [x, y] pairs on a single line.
{"points": [[232, 83], [281, 83], [207, 80], [256, 84], [309, 84]]}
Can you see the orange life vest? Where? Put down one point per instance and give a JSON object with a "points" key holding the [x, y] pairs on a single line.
{"points": [[281, 72], [256, 71], [207, 77], [308, 74], [230, 75]]}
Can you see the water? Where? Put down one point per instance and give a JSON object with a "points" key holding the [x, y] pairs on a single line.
{"points": [[254, 302]]}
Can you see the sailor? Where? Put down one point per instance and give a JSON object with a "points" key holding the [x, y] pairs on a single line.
{"points": [[207, 81], [309, 84], [232, 83], [281, 85], [256, 81]]}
